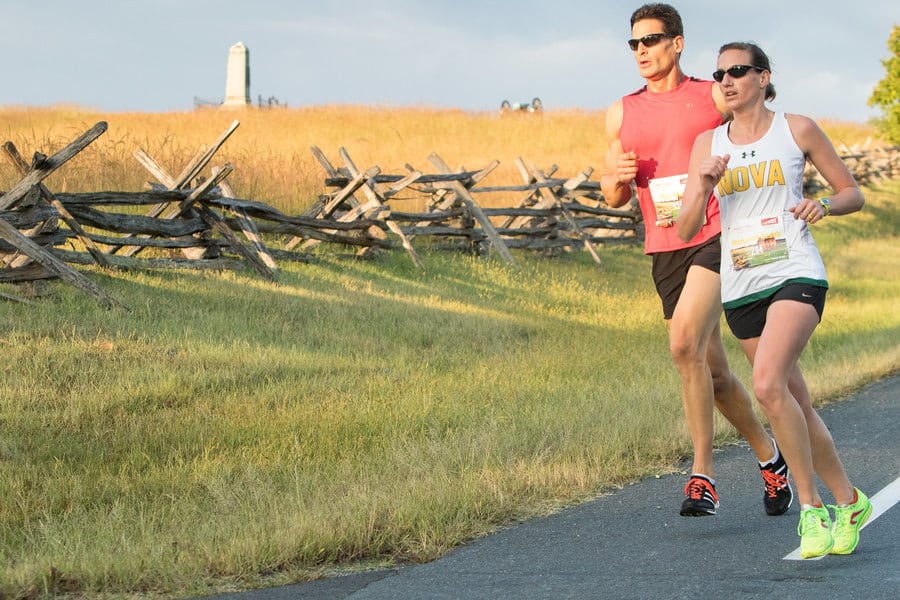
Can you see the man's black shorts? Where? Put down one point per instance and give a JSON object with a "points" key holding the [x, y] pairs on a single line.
{"points": [[670, 270]]}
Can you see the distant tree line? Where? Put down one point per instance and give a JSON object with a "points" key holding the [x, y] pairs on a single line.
{"points": [[887, 93]]}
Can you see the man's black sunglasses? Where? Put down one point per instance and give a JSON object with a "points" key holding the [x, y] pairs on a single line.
{"points": [[648, 40], [736, 72]]}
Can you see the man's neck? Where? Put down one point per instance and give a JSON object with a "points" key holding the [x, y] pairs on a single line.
{"points": [[667, 82]]}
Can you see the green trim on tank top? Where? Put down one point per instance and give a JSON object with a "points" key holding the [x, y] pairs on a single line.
{"points": [[756, 296]]}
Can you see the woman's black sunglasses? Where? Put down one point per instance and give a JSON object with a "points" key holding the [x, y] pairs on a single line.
{"points": [[648, 40], [736, 72]]}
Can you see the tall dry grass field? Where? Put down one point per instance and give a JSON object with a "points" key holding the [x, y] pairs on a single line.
{"points": [[271, 148]]}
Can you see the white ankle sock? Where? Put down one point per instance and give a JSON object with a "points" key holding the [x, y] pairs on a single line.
{"points": [[775, 458]]}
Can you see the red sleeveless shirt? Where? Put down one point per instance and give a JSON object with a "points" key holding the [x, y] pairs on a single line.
{"points": [[661, 128]]}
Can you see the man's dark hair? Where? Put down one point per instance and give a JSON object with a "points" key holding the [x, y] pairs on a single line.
{"points": [[670, 18]]}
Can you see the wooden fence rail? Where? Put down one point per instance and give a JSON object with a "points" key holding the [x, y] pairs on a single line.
{"points": [[195, 221]]}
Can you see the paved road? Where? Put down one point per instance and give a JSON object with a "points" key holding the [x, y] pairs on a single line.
{"points": [[633, 545]]}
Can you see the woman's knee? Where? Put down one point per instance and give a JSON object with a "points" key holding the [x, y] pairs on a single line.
{"points": [[768, 389]]}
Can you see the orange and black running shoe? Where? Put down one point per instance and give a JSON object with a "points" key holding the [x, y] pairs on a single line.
{"points": [[700, 497], [778, 496]]}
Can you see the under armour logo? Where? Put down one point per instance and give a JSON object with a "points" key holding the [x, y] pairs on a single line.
{"points": [[752, 153]]}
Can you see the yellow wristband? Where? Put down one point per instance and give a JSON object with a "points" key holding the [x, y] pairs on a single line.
{"points": [[825, 203]]}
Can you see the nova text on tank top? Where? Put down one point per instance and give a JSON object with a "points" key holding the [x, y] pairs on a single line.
{"points": [[763, 246], [661, 128]]}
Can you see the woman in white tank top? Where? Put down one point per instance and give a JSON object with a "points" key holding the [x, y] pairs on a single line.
{"points": [[773, 278]]}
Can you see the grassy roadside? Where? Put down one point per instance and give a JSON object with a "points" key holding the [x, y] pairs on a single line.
{"points": [[231, 431]]}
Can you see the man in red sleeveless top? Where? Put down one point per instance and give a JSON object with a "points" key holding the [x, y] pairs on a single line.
{"points": [[650, 134]]}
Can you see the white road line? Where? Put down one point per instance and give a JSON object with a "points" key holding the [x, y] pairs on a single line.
{"points": [[881, 503]]}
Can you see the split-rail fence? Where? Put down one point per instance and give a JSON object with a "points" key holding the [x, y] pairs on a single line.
{"points": [[194, 219]]}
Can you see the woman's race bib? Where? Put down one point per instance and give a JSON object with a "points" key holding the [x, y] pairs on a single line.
{"points": [[757, 241]]}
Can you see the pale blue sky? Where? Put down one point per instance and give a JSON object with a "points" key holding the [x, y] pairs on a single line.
{"points": [[158, 55]]}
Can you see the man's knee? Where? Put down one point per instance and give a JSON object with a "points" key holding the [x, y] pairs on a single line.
{"points": [[686, 348], [688, 342]]}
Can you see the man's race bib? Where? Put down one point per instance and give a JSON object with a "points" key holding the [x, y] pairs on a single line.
{"points": [[667, 193], [757, 241]]}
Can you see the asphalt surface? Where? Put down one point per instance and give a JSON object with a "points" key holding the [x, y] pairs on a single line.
{"points": [[632, 544]]}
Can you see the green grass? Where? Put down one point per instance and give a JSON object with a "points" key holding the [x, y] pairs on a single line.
{"points": [[231, 432]]}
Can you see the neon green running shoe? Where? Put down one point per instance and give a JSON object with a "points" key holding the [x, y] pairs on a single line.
{"points": [[815, 531], [848, 520]]}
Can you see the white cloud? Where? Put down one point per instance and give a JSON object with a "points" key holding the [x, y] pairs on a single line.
{"points": [[158, 54]]}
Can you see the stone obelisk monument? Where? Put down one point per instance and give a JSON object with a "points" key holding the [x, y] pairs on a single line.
{"points": [[237, 77]]}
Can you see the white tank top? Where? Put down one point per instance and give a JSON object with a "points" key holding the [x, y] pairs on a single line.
{"points": [[763, 246]]}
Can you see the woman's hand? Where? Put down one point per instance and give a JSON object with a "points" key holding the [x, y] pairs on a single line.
{"points": [[808, 210], [712, 169]]}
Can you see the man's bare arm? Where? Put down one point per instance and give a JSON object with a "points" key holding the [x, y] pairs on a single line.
{"points": [[620, 167]]}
